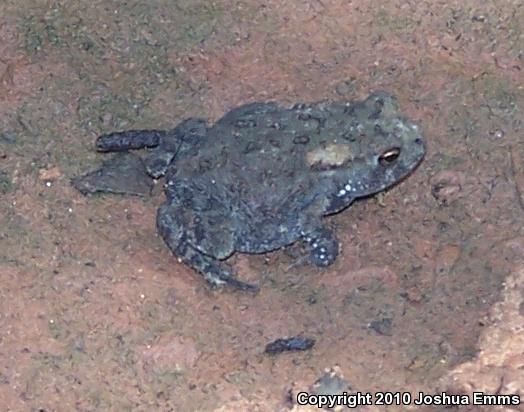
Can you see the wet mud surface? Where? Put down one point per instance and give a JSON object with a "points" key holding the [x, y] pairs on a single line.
{"points": [[96, 314]]}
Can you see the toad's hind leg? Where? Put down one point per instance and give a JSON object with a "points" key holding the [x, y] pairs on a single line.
{"points": [[322, 244], [129, 140], [182, 231]]}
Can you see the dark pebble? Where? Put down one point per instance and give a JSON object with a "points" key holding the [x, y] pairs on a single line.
{"points": [[383, 326], [295, 343]]}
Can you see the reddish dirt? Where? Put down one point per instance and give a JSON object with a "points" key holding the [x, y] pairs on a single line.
{"points": [[96, 314]]}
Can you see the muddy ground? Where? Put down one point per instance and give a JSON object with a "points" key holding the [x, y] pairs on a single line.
{"points": [[95, 312]]}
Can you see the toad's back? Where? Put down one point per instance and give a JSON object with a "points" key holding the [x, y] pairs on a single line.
{"points": [[269, 157]]}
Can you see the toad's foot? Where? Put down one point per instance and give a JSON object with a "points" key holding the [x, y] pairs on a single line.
{"points": [[216, 273], [323, 246]]}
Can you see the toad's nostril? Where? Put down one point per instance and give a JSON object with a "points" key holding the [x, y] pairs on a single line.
{"points": [[418, 140]]}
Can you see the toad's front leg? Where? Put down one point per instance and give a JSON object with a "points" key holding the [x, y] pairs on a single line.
{"points": [[322, 245]]}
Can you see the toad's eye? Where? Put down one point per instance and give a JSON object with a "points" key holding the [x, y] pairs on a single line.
{"points": [[389, 156]]}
